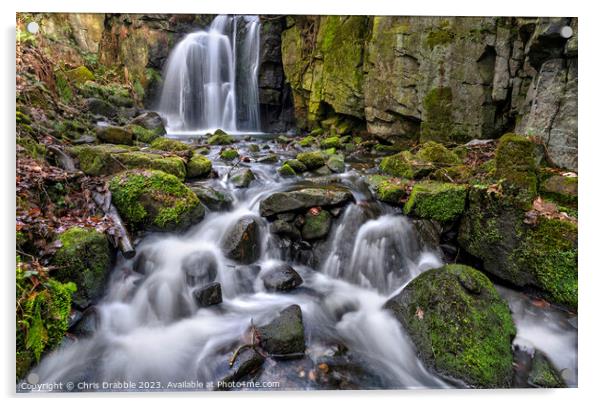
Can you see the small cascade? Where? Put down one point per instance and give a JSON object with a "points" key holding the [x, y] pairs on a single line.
{"points": [[210, 79]]}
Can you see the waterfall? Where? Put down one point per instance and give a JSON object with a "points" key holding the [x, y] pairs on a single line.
{"points": [[210, 79]]}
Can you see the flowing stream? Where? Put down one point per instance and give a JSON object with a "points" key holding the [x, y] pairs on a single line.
{"points": [[149, 328], [204, 73]]}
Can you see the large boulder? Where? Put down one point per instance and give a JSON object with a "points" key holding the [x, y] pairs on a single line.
{"points": [[214, 198], [198, 166], [284, 337], [311, 160], [515, 164], [115, 135], [84, 257], [151, 121], [541, 255], [242, 242], [281, 202], [155, 200], [460, 325]]}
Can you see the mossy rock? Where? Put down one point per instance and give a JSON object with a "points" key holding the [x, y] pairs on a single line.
{"points": [[144, 135], [98, 160], [389, 190], [542, 255], [460, 325], [168, 144], [543, 374], [312, 160], [437, 153], [437, 201], [79, 75], [155, 200], [298, 166], [316, 226], [198, 166], [331, 142], [221, 138], [336, 163], [84, 258], [515, 164], [229, 154], [115, 135], [562, 189], [456, 174], [405, 165], [268, 159], [437, 116], [242, 178], [308, 141], [286, 171]]}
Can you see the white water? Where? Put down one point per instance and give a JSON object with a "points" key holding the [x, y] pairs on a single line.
{"points": [[210, 79]]}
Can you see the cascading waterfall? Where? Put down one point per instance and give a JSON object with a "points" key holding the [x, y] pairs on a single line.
{"points": [[210, 79]]}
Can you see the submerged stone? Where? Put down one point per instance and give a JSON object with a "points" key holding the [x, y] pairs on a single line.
{"points": [[460, 325]]}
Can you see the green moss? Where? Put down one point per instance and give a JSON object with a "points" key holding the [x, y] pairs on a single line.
{"points": [[439, 37], [62, 87], [83, 258], [286, 171], [397, 165], [460, 325], [106, 91], [316, 226], [298, 166], [562, 189], [336, 163], [389, 190], [549, 253], [229, 154], [198, 166], [457, 174], [168, 144], [155, 200], [437, 200], [144, 135], [79, 75], [434, 152], [312, 160], [220, 138], [515, 164], [437, 122], [330, 142], [543, 374], [43, 308]]}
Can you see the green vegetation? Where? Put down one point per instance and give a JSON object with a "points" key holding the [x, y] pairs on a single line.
{"points": [[221, 138], [437, 200], [199, 166], [515, 165], [229, 154], [312, 160], [168, 144]]}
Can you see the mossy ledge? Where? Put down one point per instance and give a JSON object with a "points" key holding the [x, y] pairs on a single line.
{"points": [[460, 325]]}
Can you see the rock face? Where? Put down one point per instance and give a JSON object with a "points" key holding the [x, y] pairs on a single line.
{"points": [[284, 336], [460, 325], [242, 241], [282, 202], [406, 77], [84, 258], [155, 200], [281, 278], [541, 255]]}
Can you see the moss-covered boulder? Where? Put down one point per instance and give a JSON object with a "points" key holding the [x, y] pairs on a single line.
{"points": [[562, 189], [79, 75], [331, 142], [515, 164], [316, 225], [436, 200], [229, 154], [405, 165], [168, 144], [437, 153], [312, 160], [98, 160], [242, 178], [298, 166], [285, 335], [155, 200], [142, 134], [150, 120], [84, 258], [286, 171], [456, 174], [115, 135], [389, 190], [336, 163], [221, 138], [543, 374], [542, 255], [198, 166], [460, 325], [308, 141]]}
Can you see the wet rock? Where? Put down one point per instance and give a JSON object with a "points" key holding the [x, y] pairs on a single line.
{"points": [[312, 160], [242, 241], [285, 335], [281, 202], [460, 325], [281, 278], [198, 166], [216, 199], [115, 135], [316, 225], [247, 362], [297, 166], [208, 295], [242, 178], [336, 163], [543, 374], [429, 233], [200, 267], [268, 159], [151, 121], [101, 108], [221, 138], [285, 229], [286, 171], [322, 171], [228, 154], [87, 325]]}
